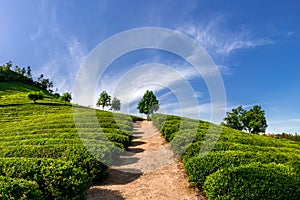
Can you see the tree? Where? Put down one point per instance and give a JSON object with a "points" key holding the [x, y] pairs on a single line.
{"points": [[56, 94], [45, 83], [148, 104], [104, 100], [234, 119], [28, 73], [7, 66], [253, 120], [66, 97], [115, 104], [17, 69], [23, 71], [34, 96]]}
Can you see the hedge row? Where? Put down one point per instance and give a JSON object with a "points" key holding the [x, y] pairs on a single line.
{"points": [[89, 161], [63, 134], [71, 139], [19, 189], [239, 165], [254, 181], [198, 168], [56, 179]]}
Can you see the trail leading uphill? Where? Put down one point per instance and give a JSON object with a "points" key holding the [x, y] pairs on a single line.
{"points": [[148, 170]]}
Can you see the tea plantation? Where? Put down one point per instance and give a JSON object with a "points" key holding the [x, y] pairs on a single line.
{"points": [[239, 166], [42, 154]]}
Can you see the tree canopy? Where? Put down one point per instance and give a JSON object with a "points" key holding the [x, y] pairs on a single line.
{"points": [[148, 104], [34, 96], [66, 97], [115, 104], [253, 120], [104, 100]]}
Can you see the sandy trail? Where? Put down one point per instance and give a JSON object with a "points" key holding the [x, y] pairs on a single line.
{"points": [[148, 170]]}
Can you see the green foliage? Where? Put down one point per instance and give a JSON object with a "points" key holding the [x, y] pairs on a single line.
{"points": [[71, 157], [24, 75], [104, 100], [253, 120], [34, 96], [115, 104], [118, 138], [234, 119], [19, 189], [198, 168], [44, 83], [288, 136], [51, 176], [233, 149], [136, 118], [66, 97], [254, 181], [7, 75], [6, 67], [148, 104]]}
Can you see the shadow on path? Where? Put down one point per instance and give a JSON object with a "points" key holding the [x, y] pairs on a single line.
{"points": [[118, 177], [98, 193]]}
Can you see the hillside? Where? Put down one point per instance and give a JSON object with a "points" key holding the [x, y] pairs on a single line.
{"points": [[45, 155], [41, 154], [239, 166]]}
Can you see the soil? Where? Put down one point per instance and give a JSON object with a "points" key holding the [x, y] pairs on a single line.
{"points": [[147, 170]]}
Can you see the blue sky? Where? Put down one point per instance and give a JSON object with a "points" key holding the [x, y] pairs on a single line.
{"points": [[255, 45]]}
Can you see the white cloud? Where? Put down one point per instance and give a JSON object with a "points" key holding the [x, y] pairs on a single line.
{"points": [[206, 111], [217, 40], [62, 66], [287, 125], [242, 44], [141, 76], [65, 52], [131, 86]]}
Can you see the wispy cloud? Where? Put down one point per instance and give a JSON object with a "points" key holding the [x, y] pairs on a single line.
{"points": [[65, 52], [131, 86], [62, 67], [214, 37]]}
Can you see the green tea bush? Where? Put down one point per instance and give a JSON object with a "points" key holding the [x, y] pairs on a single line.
{"points": [[254, 181], [118, 138], [169, 129], [183, 140], [56, 179], [136, 118], [89, 161], [198, 168], [227, 146], [232, 149], [19, 189]]}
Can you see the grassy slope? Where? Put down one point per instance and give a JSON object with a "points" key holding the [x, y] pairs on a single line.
{"points": [[240, 165], [47, 130]]}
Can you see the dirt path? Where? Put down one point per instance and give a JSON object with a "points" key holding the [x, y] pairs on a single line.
{"points": [[148, 170]]}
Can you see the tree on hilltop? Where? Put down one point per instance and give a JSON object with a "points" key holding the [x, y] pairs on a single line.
{"points": [[252, 121], [66, 97], [255, 120], [115, 104], [148, 104], [104, 100], [234, 119], [45, 83]]}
